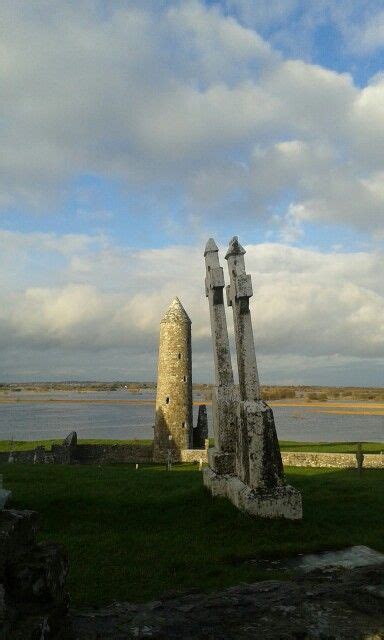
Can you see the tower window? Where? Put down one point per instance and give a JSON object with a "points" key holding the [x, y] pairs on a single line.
{"points": [[179, 356], [167, 400], [183, 424], [184, 378]]}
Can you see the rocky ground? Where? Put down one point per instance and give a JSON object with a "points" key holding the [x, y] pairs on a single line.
{"points": [[325, 604]]}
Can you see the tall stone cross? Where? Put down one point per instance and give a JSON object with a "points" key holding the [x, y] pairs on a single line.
{"points": [[238, 293], [246, 464], [224, 397]]}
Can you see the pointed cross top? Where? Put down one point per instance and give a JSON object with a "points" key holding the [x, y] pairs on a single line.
{"points": [[210, 247], [234, 248]]}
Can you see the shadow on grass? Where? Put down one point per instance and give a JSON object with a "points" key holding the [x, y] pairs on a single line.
{"points": [[132, 535]]}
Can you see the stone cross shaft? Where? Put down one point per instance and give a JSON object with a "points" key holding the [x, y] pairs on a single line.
{"points": [[245, 465], [214, 285], [238, 293], [224, 396]]}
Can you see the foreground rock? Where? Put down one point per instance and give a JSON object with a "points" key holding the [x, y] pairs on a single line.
{"points": [[33, 600], [338, 604]]}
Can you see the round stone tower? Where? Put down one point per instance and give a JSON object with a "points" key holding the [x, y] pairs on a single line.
{"points": [[174, 422]]}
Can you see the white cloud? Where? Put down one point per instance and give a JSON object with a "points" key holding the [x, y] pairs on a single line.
{"points": [[182, 95], [307, 304]]}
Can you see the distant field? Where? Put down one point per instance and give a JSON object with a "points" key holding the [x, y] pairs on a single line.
{"points": [[270, 393], [133, 535], [285, 445]]}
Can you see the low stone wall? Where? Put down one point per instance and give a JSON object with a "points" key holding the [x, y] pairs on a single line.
{"points": [[143, 454], [334, 460], [33, 598], [18, 456], [112, 454], [194, 455]]}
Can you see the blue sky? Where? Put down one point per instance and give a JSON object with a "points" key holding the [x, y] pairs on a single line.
{"points": [[134, 131]]}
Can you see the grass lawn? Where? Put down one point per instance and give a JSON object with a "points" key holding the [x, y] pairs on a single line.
{"points": [[132, 535], [27, 445], [331, 447], [285, 445]]}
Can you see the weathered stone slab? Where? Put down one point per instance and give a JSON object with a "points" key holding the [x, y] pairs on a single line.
{"points": [[349, 606], [327, 561]]}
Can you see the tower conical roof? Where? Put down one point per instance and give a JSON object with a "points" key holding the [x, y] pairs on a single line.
{"points": [[176, 313]]}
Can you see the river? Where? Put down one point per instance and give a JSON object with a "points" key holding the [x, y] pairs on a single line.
{"points": [[38, 416]]}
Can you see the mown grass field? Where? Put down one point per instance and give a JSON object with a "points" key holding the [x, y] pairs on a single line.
{"points": [[135, 534], [285, 445]]}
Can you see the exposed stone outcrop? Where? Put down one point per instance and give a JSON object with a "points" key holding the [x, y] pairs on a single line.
{"points": [[323, 605], [33, 599]]}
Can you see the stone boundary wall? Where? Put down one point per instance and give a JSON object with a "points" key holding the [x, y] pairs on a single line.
{"points": [[193, 455], [334, 460], [143, 454], [19, 456], [112, 453]]}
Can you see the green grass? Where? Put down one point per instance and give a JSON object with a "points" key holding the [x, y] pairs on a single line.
{"points": [[331, 447], [27, 445], [285, 445], [133, 535]]}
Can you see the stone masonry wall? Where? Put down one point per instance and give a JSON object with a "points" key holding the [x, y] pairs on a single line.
{"points": [[337, 460], [116, 453], [143, 453]]}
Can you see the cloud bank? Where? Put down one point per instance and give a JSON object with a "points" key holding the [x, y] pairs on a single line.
{"points": [[307, 306], [212, 114]]}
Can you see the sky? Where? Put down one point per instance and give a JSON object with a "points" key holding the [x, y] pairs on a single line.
{"points": [[131, 132]]}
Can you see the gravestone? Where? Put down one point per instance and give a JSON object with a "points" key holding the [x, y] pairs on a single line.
{"points": [[70, 440]]}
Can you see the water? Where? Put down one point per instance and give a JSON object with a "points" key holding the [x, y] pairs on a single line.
{"points": [[46, 419]]}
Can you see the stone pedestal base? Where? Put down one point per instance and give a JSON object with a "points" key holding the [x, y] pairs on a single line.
{"points": [[222, 463], [281, 502]]}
